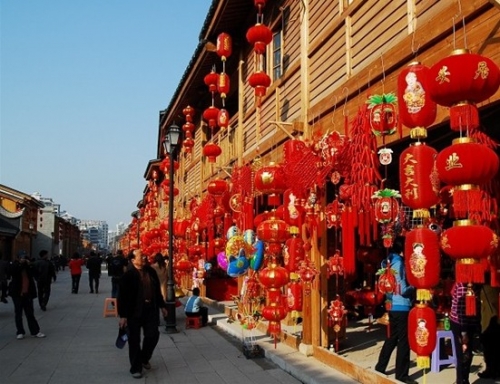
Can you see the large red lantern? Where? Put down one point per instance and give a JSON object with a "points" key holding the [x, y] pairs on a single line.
{"points": [[211, 80], [180, 227], [461, 80], [422, 261], [211, 114], [270, 179], [386, 205], [422, 333], [260, 81], [217, 187], [466, 162], [467, 242], [416, 108], [211, 151], [383, 119], [259, 36], [419, 182], [273, 276], [273, 230], [224, 46]]}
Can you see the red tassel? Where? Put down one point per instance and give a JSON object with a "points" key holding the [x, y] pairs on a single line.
{"points": [[464, 117], [470, 303], [469, 272], [466, 201]]}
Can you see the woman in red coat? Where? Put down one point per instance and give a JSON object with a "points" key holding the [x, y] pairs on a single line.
{"points": [[75, 268]]}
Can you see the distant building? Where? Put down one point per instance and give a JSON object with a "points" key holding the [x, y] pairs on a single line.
{"points": [[96, 233]]}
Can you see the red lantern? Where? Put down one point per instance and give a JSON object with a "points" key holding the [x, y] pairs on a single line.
{"points": [[223, 118], [224, 46], [422, 261], [467, 162], [259, 36], [422, 333], [416, 108], [273, 230], [211, 81], [294, 296], [260, 81], [211, 115], [188, 127], [419, 183], [217, 187], [188, 144], [461, 80], [467, 242], [383, 114], [273, 277], [223, 85], [184, 265], [188, 112], [387, 280], [180, 227], [211, 151], [386, 205], [270, 179]]}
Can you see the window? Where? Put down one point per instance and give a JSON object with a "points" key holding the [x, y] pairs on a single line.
{"points": [[277, 56]]}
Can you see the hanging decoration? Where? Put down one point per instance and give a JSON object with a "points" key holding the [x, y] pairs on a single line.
{"points": [[188, 129], [383, 116], [336, 318], [422, 333]]}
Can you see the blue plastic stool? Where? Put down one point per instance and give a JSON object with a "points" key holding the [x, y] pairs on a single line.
{"points": [[436, 361]]}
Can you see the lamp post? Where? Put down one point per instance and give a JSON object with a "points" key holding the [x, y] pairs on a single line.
{"points": [[170, 145], [137, 215]]}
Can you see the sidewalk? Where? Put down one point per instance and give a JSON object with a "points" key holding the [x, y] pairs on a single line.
{"points": [[79, 348]]}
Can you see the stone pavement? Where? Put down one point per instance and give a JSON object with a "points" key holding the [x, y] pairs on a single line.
{"points": [[80, 348]]}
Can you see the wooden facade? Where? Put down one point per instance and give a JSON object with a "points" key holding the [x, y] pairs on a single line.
{"points": [[334, 53]]}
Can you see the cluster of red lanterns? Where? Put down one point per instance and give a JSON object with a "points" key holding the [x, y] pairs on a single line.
{"points": [[188, 128]]}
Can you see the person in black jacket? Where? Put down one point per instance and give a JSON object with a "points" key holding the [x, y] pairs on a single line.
{"points": [[94, 266], [45, 273], [139, 300], [22, 289]]}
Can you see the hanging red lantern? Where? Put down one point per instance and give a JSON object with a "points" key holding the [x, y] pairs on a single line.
{"points": [[210, 115], [387, 282], [386, 206], [188, 112], [260, 81], [422, 333], [467, 242], [188, 127], [211, 151], [223, 85], [467, 162], [273, 230], [259, 36], [211, 80], [294, 297], [188, 144], [416, 108], [461, 80], [217, 187], [422, 261], [223, 118], [419, 182], [180, 228], [184, 265], [273, 276], [224, 46], [270, 179]]}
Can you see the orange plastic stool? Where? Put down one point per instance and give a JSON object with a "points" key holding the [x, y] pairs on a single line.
{"points": [[193, 322], [110, 307]]}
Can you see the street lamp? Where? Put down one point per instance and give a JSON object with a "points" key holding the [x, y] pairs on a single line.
{"points": [[170, 144], [137, 215]]}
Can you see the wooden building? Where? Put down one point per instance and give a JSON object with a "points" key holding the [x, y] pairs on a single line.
{"points": [[324, 59]]}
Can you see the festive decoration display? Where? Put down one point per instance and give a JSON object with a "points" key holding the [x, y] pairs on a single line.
{"points": [[188, 129], [383, 119]]}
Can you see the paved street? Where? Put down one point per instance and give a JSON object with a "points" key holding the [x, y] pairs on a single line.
{"points": [[80, 348]]}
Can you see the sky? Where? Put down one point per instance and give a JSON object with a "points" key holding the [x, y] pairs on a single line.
{"points": [[81, 86]]}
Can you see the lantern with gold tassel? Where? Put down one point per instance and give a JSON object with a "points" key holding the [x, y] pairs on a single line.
{"points": [[422, 261], [422, 333]]}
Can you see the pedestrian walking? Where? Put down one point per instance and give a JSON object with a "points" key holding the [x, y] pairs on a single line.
{"points": [[45, 273], [22, 289], [4, 277], [116, 268], [94, 266], [464, 327], [398, 319], [160, 267], [75, 268], [139, 300]]}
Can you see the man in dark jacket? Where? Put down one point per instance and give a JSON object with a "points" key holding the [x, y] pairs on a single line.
{"points": [[94, 267], [139, 300], [45, 273], [22, 289], [117, 265]]}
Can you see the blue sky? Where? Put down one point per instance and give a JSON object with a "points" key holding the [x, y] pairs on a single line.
{"points": [[81, 86]]}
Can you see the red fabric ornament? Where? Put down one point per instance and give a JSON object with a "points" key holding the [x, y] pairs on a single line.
{"points": [[217, 187], [210, 115], [223, 85], [259, 36], [467, 242], [418, 178], [223, 118], [422, 261], [294, 253], [211, 80], [416, 108], [294, 296], [260, 81], [270, 179], [422, 333], [461, 80], [211, 151]]}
